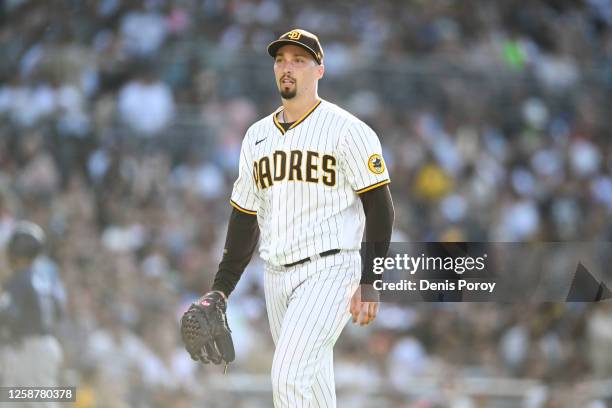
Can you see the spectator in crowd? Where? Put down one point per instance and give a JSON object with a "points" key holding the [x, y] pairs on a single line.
{"points": [[146, 104]]}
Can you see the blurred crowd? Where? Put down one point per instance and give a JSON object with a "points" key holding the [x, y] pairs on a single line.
{"points": [[120, 129]]}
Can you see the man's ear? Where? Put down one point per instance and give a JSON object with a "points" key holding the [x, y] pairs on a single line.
{"points": [[321, 71]]}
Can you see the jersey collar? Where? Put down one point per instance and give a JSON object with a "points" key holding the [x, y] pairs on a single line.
{"points": [[297, 122]]}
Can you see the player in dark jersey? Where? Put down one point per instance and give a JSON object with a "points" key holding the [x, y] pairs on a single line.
{"points": [[31, 303]]}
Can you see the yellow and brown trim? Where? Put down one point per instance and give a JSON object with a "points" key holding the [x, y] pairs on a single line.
{"points": [[297, 122], [277, 123], [373, 186], [244, 210]]}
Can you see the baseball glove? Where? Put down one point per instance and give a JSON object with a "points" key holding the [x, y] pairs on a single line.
{"points": [[205, 331]]}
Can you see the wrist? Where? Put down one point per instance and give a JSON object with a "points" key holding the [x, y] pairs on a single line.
{"points": [[221, 293], [211, 296], [368, 293]]}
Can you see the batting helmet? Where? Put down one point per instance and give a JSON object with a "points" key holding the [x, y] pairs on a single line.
{"points": [[26, 241]]}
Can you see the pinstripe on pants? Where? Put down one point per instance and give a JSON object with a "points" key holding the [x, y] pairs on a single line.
{"points": [[308, 306]]}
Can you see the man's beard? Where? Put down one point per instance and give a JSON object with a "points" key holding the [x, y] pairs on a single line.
{"points": [[288, 93]]}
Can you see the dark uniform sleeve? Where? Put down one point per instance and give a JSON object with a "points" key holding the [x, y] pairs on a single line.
{"points": [[240, 243], [378, 208]]}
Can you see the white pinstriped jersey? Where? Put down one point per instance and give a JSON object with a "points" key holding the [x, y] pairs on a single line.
{"points": [[303, 183]]}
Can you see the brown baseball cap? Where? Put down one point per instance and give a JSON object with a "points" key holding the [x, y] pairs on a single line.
{"points": [[302, 38]]}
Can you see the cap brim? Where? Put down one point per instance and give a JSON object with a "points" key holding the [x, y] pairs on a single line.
{"points": [[275, 45]]}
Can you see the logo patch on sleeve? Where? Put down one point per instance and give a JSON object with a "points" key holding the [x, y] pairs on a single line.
{"points": [[376, 164]]}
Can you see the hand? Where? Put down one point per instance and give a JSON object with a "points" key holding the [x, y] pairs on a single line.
{"points": [[364, 312]]}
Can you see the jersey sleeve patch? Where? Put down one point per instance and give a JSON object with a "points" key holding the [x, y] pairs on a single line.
{"points": [[362, 158], [376, 164]]}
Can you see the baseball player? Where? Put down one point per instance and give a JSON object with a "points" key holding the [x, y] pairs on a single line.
{"points": [[311, 178], [32, 301]]}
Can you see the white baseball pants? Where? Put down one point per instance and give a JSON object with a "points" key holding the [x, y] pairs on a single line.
{"points": [[308, 306]]}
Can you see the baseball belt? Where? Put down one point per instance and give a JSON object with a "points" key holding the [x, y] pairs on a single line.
{"points": [[312, 258]]}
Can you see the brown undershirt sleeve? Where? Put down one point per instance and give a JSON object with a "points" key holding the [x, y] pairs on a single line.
{"points": [[378, 208], [240, 243]]}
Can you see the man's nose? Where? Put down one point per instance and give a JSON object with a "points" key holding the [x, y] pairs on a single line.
{"points": [[287, 67]]}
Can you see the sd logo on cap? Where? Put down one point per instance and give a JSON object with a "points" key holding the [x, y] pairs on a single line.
{"points": [[302, 38]]}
